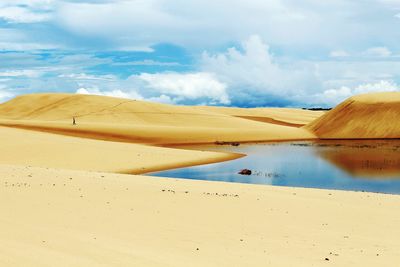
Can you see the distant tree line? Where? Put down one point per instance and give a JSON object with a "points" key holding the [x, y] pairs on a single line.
{"points": [[317, 109]]}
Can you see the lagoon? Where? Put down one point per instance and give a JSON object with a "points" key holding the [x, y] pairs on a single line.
{"points": [[355, 165]]}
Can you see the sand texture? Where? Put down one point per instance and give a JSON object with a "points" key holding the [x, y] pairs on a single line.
{"points": [[282, 116], [26, 147], [70, 218], [118, 119], [368, 116]]}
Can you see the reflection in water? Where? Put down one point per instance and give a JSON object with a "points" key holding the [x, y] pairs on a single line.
{"points": [[376, 159], [349, 165]]}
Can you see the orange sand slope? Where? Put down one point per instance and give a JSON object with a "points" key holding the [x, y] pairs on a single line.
{"points": [[282, 116], [374, 115], [138, 121], [25, 147], [69, 218]]}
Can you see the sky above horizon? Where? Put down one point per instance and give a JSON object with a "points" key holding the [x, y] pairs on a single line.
{"points": [[246, 53]]}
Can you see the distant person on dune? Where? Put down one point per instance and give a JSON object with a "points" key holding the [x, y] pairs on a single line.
{"points": [[73, 121]]}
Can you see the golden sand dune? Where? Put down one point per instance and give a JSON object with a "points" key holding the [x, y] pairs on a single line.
{"points": [[25, 147], [373, 115], [282, 116], [138, 121], [102, 109], [69, 218]]}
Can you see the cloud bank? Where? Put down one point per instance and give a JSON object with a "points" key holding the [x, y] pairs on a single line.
{"points": [[241, 53]]}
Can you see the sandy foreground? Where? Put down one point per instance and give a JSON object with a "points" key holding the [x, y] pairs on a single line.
{"points": [[54, 217]]}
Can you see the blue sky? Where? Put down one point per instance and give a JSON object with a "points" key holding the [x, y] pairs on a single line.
{"points": [[245, 53]]}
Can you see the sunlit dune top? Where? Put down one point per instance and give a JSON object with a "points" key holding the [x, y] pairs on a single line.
{"points": [[60, 106], [381, 97], [112, 118], [370, 116], [94, 108]]}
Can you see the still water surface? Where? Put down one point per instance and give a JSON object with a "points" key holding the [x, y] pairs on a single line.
{"points": [[370, 165]]}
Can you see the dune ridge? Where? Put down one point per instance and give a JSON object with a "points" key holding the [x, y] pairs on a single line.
{"points": [[117, 119], [26, 147], [366, 116], [293, 117]]}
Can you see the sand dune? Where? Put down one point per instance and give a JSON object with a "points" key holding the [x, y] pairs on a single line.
{"points": [[24, 147], [113, 119], [118, 119], [373, 115], [70, 218], [283, 116]]}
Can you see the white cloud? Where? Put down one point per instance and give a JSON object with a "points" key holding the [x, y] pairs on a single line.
{"points": [[378, 52], [171, 88], [130, 19], [332, 97], [4, 94], [21, 46], [131, 48], [16, 14], [146, 62], [338, 53], [84, 76], [26, 11], [205, 22], [137, 24], [189, 86], [253, 72], [381, 86], [20, 73], [17, 40], [255, 64], [162, 99], [44, 4], [112, 93]]}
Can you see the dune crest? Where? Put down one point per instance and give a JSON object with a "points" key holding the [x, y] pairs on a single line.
{"points": [[117, 119], [293, 117], [366, 116]]}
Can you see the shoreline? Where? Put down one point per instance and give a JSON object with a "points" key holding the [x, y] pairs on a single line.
{"points": [[229, 156], [168, 157]]}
